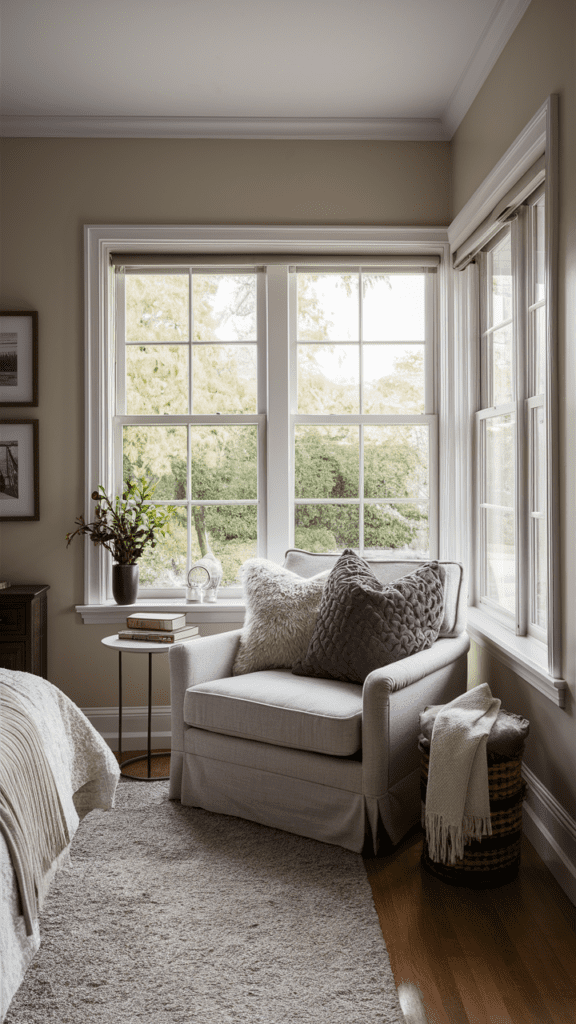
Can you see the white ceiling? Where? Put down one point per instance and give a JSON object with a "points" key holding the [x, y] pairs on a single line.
{"points": [[297, 68]]}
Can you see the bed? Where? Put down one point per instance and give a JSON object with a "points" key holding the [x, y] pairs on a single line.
{"points": [[83, 774]]}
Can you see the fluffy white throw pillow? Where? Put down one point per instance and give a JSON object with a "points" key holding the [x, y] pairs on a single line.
{"points": [[281, 610]]}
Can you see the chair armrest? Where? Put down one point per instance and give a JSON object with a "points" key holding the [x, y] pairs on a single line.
{"points": [[199, 661], [413, 668], [393, 697]]}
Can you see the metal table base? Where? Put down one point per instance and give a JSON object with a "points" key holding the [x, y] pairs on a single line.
{"points": [[141, 757]]}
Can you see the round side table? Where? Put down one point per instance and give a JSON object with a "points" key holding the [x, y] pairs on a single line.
{"points": [[138, 647]]}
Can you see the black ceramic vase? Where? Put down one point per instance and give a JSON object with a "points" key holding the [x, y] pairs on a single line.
{"points": [[125, 583]]}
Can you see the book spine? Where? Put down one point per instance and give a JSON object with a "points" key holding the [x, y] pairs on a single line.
{"points": [[169, 624], [179, 631], [145, 638], [157, 638]]}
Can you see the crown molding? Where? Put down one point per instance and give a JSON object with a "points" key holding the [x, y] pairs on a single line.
{"points": [[504, 20], [490, 45], [394, 129], [530, 144]]}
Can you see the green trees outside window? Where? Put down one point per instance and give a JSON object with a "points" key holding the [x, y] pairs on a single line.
{"points": [[191, 350]]}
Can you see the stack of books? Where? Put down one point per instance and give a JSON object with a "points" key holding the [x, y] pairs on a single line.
{"points": [[158, 629]]}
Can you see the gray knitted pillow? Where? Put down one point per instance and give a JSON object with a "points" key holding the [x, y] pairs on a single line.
{"points": [[363, 625]]}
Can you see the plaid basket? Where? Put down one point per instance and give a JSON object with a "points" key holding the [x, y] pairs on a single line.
{"points": [[495, 859]]}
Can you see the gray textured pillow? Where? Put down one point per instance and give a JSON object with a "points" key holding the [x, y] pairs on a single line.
{"points": [[281, 610], [362, 624]]}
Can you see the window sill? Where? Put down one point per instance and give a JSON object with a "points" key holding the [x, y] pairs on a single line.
{"points": [[525, 656], [229, 610]]}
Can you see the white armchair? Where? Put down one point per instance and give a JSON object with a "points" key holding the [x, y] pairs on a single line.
{"points": [[330, 760]]}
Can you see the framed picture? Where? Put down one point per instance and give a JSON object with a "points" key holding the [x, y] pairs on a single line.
{"points": [[19, 470], [19, 358]]}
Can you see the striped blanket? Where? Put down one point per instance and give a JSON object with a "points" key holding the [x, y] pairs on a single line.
{"points": [[54, 769], [32, 818]]}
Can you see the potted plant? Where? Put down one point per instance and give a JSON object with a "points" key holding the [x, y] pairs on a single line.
{"points": [[125, 526]]}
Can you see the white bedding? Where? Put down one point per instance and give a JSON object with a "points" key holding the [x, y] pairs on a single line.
{"points": [[86, 774]]}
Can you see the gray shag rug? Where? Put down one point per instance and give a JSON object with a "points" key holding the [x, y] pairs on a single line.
{"points": [[173, 915]]}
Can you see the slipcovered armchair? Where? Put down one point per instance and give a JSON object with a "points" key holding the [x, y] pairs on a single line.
{"points": [[331, 760]]}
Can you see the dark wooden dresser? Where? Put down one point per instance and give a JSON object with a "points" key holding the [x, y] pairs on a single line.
{"points": [[23, 628]]}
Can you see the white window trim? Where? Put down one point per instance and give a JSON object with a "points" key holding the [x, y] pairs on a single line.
{"points": [[351, 243], [539, 665]]}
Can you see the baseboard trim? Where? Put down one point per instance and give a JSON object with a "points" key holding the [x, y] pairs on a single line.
{"points": [[552, 832], [134, 726]]}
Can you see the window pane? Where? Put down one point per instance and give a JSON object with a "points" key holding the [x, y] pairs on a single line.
{"points": [[328, 379], [157, 307], [224, 462], [224, 379], [393, 379], [396, 531], [393, 308], [500, 260], [501, 348], [539, 251], [327, 462], [156, 379], [326, 527], [224, 307], [396, 462], [164, 566], [540, 597], [538, 461], [328, 307], [158, 453], [499, 469], [538, 317], [500, 566], [230, 531]]}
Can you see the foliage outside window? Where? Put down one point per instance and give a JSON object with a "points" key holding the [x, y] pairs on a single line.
{"points": [[361, 353], [191, 406]]}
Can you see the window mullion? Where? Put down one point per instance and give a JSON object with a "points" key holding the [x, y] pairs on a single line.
{"points": [[281, 302]]}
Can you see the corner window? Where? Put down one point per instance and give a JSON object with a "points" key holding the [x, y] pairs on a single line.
{"points": [[504, 252], [511, 430]]}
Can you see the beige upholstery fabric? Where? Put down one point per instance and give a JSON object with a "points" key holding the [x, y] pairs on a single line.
{"points": [[335, 799], [274, 706]]}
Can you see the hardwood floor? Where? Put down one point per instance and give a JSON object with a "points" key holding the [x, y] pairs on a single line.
{"points": [[499, 956]]}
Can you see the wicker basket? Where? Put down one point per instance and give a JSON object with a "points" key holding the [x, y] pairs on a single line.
{"points": [[495, 859]]}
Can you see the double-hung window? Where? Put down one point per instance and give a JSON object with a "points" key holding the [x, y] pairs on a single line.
{"points": [[188, 345], [365, 436], [276, 405], [506, 287], [511, 425]]}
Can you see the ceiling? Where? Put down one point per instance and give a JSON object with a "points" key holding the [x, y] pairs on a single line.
{"points": [[247, 68]]}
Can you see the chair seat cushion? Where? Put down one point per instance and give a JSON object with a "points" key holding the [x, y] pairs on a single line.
{"points": [[273, 706]]}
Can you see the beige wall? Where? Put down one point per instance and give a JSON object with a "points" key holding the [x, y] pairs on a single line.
{"points": [[538, 60], [50, 189]]}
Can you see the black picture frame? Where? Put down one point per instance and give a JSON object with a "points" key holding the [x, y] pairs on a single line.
{"points": [[18, 357], [19, 470]]}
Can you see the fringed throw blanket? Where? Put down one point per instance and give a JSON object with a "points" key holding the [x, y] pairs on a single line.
{"points": [[32, 818], [457, 798]]}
